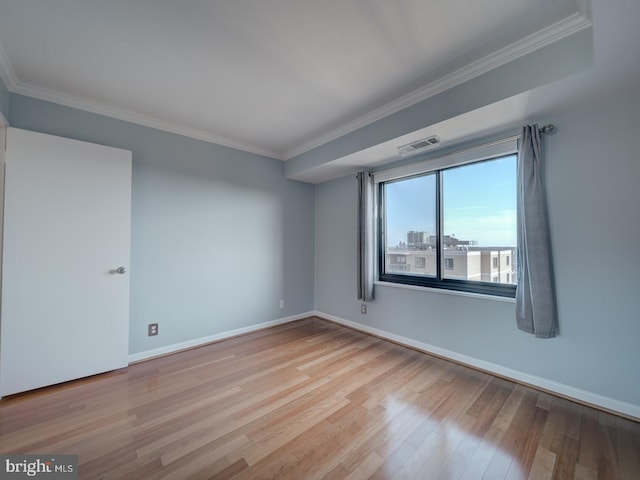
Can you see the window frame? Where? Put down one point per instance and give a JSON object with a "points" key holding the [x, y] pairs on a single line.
{"points": [[437, 166]]}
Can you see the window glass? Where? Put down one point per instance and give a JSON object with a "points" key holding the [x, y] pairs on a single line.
{"points": [[479, 219], [453, 227], [410, 209]]}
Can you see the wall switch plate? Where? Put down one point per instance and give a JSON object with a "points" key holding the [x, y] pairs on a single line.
{"points": [[281, 303], [363, 308], [152, 329]]}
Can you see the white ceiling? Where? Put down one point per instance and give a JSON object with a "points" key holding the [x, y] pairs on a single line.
{"points": [[275, 77], [615, 72]]}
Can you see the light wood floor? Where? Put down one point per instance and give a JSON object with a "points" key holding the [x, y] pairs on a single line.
{"points": [[312, 399]]}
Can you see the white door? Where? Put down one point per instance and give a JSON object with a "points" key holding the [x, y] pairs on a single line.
{"points": [[67, 217]]}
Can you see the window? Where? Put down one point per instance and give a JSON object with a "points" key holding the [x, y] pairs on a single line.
{"points": [[458, 210], [508, 263], [397, 263]]}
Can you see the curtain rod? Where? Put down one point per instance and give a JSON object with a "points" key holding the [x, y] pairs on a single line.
{"points": [[547, 129]]}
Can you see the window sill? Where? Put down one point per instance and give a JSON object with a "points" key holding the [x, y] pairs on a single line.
{"points": [[483, 296]]}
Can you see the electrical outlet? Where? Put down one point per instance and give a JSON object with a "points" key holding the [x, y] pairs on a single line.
{"points": [[281, 303], [363, 308], [152, 329]]}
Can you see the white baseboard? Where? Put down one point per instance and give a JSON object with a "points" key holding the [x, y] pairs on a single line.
{"points": [[567, 391], [196, 342], [563, 390]]}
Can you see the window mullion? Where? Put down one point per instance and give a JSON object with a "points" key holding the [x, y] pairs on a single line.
{"points": [[382, 230], [439, 236]]}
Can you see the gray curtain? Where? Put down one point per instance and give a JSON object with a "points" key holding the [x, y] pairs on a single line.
{"points": [[366, 239], [535, 298]]}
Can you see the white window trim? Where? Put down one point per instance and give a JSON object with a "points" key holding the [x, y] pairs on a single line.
{"points": [[445, 291]]}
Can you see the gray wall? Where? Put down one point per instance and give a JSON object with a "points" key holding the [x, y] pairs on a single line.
{"points": [[4, 100], [593, 177], [218, 235]]}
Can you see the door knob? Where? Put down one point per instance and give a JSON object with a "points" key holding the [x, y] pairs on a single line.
{"points": [[120, 270]]}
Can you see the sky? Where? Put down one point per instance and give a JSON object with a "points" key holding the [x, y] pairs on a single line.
{"points": [[479, 204]]}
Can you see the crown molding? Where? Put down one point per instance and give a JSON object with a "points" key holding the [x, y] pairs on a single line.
{"points": [[557, 31], [15, 86], [6, 72], [137, 118], [572, 24]]}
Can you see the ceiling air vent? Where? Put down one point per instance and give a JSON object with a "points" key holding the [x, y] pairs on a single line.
{"points": [[419, 145]]}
